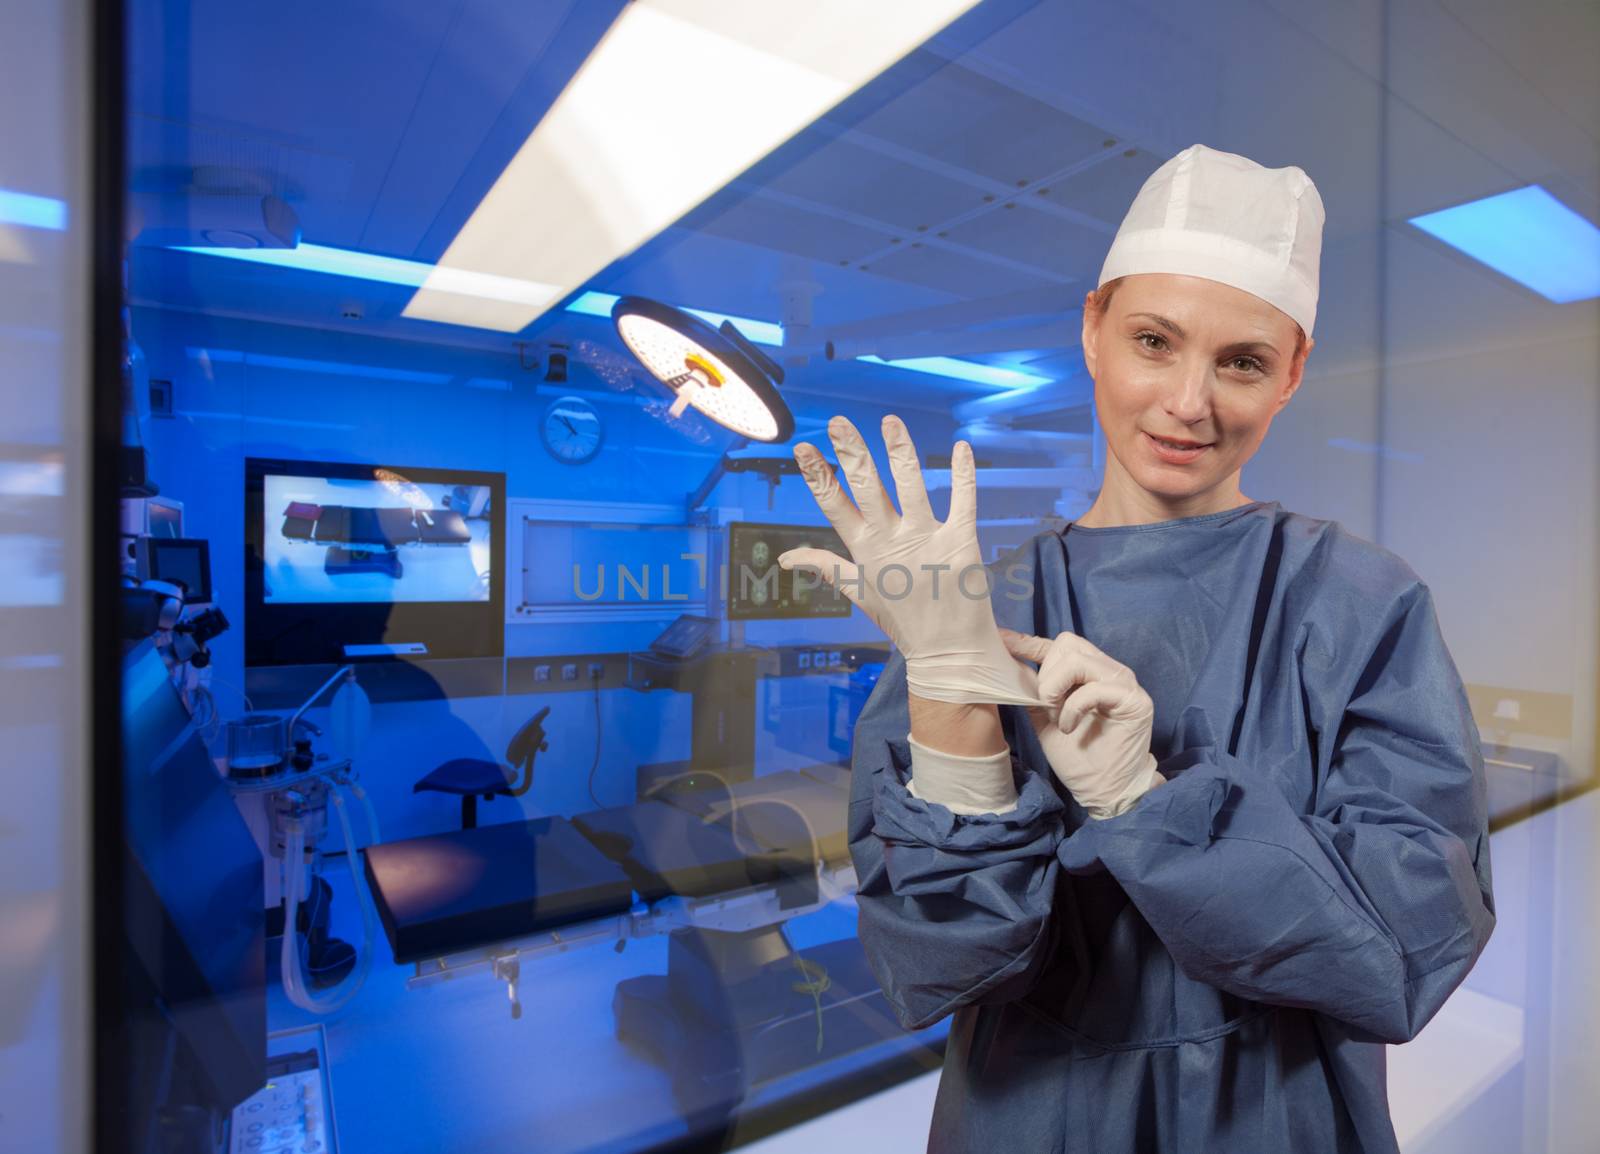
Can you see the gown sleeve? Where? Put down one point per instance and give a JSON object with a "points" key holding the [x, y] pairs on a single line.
{"points": [[954, 909], [1372, 907]]}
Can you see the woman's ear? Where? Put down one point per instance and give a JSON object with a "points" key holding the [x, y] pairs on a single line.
{"points": [[1297, 371], [1091, 331]]}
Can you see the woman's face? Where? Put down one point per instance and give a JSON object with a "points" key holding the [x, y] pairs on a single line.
{"points": [[1190, 359]]}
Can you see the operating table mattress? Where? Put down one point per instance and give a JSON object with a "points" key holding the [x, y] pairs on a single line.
{"points": [[666, 850], [471, 887]]}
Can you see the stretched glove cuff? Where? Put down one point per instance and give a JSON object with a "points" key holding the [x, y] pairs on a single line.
{"points": [[989, 677]]}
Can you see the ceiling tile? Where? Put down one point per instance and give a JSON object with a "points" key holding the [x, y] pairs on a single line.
{"points": [[1105, 190], [1023, 233], [862, 181], [972, 122], [953, 272]]}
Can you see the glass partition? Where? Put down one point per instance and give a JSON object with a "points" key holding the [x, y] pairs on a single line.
{"points": [[487, 783]]}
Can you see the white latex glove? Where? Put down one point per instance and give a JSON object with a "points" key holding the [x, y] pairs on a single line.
{"points": [[905, 570], [1095, 723]]}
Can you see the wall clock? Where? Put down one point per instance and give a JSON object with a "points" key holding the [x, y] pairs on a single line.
{"points": [[572, 430]]}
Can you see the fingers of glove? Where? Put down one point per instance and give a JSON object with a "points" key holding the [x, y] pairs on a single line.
{"points": [[856, 460], [819, 564], [830, 496], [963, 486], [1025, 647], [1111, 700], [907, 471]]}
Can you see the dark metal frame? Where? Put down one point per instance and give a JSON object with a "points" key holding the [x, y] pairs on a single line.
{"points": [[110, 1073]]}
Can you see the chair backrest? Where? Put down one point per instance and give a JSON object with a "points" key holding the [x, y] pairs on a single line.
{"points": [[526, 744]]}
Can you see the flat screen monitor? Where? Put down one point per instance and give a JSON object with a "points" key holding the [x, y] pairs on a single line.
{"points": [[758, 590], [348, 561], [184, 561]]}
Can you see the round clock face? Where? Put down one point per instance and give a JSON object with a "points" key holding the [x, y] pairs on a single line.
{"points": [[571, 430]]}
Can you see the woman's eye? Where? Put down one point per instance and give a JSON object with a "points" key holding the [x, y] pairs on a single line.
{"points": [[1247, 364], [1146, 337]]}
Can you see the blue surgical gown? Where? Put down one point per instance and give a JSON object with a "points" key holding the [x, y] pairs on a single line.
{"points": [[1220, 967]]}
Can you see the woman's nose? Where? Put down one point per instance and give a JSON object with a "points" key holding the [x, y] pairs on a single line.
{"points": [[1190, 395]]}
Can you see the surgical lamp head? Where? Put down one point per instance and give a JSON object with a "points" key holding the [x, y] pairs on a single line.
{"points": [[716, 371]]}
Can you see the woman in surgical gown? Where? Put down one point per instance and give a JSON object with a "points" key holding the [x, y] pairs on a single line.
{"points": [[1219, 965]]}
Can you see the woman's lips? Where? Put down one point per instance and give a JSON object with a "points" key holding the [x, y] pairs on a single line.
{"points": [[1174, 456]]}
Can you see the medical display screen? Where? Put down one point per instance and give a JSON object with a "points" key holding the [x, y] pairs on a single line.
{"points": [[361, 561], [183, 561], [385, 538], [759, 590]]}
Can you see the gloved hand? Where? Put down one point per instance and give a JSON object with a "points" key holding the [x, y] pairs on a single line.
{"points": [[1095, 723], [921, 581]]}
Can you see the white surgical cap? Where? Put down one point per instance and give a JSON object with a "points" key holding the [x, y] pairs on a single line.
{"points": [[1224, 217]]}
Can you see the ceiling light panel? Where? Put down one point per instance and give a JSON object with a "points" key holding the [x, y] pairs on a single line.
{"points": [[678, 98], [1527, 235]]}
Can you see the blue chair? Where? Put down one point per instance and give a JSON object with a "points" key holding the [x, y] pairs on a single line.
{"points": [[472, 777]]}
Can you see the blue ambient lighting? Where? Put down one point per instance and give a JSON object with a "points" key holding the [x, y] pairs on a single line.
{"points": [[1529, 236], [32, 211], [593, 304], [333, 261], [978, 374], [304, 365], [387, 269]]}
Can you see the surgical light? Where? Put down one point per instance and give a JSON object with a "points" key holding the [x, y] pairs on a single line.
{"points": [[1527, 235], [677, 99], [716, 371]]}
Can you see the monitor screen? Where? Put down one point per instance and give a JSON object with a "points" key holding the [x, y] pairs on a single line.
{"points": [[184, 561], [759, 590], [385, 539], [347, 560]]}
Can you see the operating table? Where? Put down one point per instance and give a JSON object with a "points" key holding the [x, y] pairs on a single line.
{"points": [[719, 870]]}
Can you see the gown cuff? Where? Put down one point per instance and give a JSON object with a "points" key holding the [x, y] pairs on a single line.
{"points": [[964, 785], [900, 817]]}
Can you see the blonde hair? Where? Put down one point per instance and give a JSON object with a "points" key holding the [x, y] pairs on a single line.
{"points": [[1102, 301]]}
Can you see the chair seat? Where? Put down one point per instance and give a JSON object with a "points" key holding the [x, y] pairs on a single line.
{"points": [[466, 775]]}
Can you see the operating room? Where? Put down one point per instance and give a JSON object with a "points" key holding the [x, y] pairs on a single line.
{"points": [[487, 783]]}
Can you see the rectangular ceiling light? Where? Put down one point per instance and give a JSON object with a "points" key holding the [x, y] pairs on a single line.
{"points": [[1529, 236], [678, 98], [29, 211], [959, 370], [390, 270]]}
